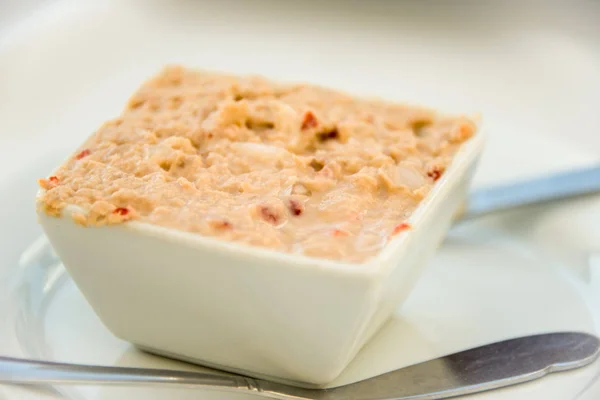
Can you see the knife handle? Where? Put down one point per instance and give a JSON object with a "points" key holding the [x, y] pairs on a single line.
{"points": [[533, 191]]}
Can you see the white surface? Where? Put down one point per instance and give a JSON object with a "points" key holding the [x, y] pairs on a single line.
{"points": [[530, 70]]}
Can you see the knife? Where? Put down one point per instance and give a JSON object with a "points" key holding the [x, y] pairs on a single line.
{"points": [[476, 370]]}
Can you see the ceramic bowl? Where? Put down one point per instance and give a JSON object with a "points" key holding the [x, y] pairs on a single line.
{"points": [[283, 317]]}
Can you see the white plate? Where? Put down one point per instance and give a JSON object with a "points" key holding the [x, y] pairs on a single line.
{"points": [[71, 65]]}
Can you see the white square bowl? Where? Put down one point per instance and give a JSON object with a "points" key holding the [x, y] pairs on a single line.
{"points": [[283, 317]]}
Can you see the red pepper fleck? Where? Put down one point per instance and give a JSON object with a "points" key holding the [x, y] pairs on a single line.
{"points": [[226, 225], [401, 228], [269, 215], [435, 173], [296, 207], [310, 121], [340, 233], [53, 179], [209, 135], [83, 153], [121, 211], [222, 224]]}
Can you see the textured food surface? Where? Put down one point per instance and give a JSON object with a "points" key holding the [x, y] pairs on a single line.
{"points": [[292, 167]]}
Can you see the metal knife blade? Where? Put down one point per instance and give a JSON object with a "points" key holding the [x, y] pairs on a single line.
{"points": [[483, 368]]}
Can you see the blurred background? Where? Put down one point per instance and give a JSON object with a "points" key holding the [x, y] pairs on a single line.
{"points": [[514, 61]]}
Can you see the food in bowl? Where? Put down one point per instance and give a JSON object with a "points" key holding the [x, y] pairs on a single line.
{"points": [[293, 168], [264, 228]]}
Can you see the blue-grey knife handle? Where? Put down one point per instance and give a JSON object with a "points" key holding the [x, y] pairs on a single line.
{"points": [[538, 190]]}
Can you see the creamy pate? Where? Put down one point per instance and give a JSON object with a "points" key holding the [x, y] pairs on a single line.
{"points": [[296, 168]]}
